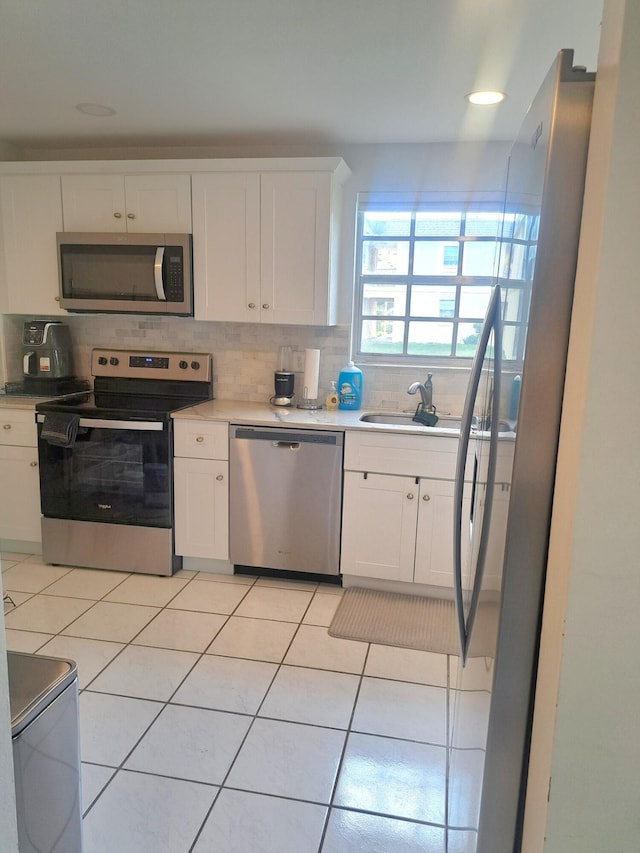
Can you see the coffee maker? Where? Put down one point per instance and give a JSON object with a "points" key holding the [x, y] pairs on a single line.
{"points": [[46, 355]]}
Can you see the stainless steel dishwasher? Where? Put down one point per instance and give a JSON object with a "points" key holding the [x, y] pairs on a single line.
{"points": [[285, 498]]}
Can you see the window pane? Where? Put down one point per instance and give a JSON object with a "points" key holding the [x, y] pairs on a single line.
{"points": [[483, 224], [427, 338], [375, 224], [474, 301], [513, 263], [509, 341], [384, 299], [435, 258], [385, 257], [433, 300], [467, 339], [382, 336], [512, 304], [438, 224], [479, 258]]}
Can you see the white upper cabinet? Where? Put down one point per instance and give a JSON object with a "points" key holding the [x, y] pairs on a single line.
{"points": [[264, 246], [31, 212], [226, 246], [295, 251], [139, 204]]}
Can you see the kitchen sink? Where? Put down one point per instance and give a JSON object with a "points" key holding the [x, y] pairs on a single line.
{"points": [[444, 421], [406, 419]]}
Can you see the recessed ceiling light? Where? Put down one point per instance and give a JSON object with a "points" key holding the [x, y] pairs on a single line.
{"points": [[485, 98], [95, 110]]}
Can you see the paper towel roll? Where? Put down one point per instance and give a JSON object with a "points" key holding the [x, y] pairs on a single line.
{"points": [[311, 374]]}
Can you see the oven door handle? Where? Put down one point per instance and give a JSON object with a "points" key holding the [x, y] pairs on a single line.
{"points": [[107, 423]]}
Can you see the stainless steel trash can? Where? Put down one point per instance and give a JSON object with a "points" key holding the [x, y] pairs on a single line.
{"points": [[43, 695]]}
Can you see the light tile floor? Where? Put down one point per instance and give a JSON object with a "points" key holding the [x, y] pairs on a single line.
{"points": [[218, 715]]}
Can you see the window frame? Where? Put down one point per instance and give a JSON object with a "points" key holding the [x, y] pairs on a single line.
{"points": [[444, 203]]}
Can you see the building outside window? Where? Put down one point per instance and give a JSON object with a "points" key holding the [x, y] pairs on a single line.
{"points": [[428, 270]]}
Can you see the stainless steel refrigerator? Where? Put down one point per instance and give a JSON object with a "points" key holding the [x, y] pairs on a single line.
{"points": [[507, 461]]}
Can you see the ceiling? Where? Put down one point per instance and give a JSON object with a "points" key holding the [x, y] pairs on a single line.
{"points": [[252, 72]]}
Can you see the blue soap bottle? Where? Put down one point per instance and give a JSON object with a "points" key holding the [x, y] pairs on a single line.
{"points": [[350, 387]]}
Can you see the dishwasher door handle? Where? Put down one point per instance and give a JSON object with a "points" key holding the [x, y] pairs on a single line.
{"points": [[292, 445]]}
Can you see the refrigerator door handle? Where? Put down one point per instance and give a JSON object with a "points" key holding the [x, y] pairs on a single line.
{"points": [[491, 323], [491, 477]]}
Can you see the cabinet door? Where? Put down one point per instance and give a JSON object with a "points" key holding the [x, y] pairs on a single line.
{"points": [[434, 540], [93, 203], [158, 204], [295, 247], [494, 561], [201, 491], [31, 210], [20, 494], [379, 526], [226, 247]]}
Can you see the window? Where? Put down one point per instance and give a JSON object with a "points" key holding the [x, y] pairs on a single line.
{"points": [[424, 278]]}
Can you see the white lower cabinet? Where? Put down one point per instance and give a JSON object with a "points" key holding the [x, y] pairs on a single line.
{"points": [[434, 534], [397, 520], [19, 474], [201, 489], [398, 528], [379, 515]]}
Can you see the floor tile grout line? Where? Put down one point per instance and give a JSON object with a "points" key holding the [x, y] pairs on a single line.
{"points": [[251, 725], [164, 704], [155, 718], [242, 743], [334, 786]]}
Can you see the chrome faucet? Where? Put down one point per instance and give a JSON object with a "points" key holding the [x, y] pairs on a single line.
{"points": [[426, 393]]}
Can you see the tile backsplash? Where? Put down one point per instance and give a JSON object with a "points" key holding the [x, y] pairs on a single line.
{"points": [[245, 355]]}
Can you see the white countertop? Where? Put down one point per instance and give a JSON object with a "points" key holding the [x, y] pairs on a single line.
{"points": [[264, 414], [17, 401]]}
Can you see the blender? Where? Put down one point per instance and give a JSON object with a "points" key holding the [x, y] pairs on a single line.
{"points": [[283, 379]]}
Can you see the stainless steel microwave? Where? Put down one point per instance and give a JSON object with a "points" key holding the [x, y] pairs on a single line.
{"points": [[125, 273]]}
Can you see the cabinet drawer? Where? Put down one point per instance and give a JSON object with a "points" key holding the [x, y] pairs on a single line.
{"points": [[18, 428], [200, 439], [413, 455]]}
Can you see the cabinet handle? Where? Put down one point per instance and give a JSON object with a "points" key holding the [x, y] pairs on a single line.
{"points": [[33, 464], [426, 497], [117, 215], [200, 439], [131, 216], [252, 305], [57, 298], [410, 496], [265, 305], [6, 426], [219, 477]]}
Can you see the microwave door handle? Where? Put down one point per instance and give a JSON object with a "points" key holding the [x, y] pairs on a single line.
{"points": [[157, 274]]}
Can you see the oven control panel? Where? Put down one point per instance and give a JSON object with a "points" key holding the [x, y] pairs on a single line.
{"points": [[137, 364]]}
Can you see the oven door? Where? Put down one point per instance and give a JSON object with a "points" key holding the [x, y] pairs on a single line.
{"points": [[116, 471]]}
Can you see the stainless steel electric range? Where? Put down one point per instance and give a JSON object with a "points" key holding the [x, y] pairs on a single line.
{"points": [[106, 461]]}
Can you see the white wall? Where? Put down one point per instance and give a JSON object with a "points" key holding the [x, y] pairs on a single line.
{"points": [[589, 653]]}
